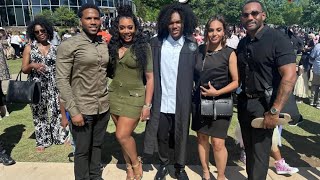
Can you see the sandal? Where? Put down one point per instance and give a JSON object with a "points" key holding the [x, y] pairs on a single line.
{"points": [[203, 175], [138, 176], [129, 168]]}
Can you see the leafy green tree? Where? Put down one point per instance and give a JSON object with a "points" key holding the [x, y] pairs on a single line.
{"points": [[292, 13], [65, 17], [311, 13], [47, 14], [230, 9], [156, 4]]}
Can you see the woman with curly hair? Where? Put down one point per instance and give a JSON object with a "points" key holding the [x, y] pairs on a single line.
{"points": [[130, 99], [39, 59]]}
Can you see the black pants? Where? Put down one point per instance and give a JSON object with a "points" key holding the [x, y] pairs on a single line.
{"points": [[88, 140], [257, 142], [166, 138], [1, 147], [2, 96], [16, 48]]}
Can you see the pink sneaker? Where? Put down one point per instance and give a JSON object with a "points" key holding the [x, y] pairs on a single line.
{"points": [[283, 168]]}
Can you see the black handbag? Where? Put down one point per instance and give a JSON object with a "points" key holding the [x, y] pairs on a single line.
{"points": [[223, 108], [23, 91], [206, 107]]}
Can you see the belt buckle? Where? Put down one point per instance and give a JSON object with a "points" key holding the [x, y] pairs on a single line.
{"points": [[249, 95]]}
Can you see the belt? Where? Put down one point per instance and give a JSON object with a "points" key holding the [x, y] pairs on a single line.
{"points": [[255, 95]]}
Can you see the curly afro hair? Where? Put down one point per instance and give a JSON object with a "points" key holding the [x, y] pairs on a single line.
{"points": [[188, 18], [87, 6], [44, 23], [139, 46]]}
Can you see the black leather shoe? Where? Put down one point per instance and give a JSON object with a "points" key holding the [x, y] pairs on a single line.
{"points": [[162, 172], [6, 159], [181, 174]]}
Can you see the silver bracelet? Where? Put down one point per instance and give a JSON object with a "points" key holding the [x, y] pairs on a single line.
{"points": [[147, 106]]}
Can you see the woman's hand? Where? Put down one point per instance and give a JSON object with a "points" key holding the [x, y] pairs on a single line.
{"points": [[145, 114], [39, 67], [209, 92]]}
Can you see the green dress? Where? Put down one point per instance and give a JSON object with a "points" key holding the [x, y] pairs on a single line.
{"points": [[127, 91]]}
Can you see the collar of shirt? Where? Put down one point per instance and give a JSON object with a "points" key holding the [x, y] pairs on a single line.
{"points": [[259, 34], [173, 42], [97, 39]]}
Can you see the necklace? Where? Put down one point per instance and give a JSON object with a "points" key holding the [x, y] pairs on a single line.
{"points": [[210, 53]]}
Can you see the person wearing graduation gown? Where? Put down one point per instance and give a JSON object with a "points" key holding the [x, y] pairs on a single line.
{"points": [[174, 56]]}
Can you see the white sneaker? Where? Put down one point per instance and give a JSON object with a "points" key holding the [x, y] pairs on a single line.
{"points": [[283, 168]]}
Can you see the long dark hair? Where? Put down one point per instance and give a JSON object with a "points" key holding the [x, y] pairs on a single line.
{"points": [[219, 18], [188, 18], [139, 41]]}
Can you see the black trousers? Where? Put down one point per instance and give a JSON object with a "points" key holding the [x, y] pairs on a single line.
{"points": [[2, 96], [166, 138], [16, 48], [1, 147], [88, 140], [257, 142]]}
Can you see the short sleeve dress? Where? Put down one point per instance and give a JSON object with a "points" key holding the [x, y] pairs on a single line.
{"points": [[216, 70], [127, 90]]}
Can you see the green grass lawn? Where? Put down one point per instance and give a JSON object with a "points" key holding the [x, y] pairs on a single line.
{"points": [[14, 66], [300, 143], [16, 131]]}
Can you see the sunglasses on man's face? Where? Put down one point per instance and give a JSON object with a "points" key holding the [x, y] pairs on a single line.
{"points": [[253, 14], [41, 30]]}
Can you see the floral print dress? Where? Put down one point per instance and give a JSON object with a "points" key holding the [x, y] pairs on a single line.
{"points": [[46, 114]]}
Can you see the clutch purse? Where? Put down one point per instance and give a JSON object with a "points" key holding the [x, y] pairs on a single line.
{"points": [[207, 106], [223, 108], [23, 91]]}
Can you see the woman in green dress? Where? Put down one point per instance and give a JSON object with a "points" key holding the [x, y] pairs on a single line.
{"points": [[131, 89]]}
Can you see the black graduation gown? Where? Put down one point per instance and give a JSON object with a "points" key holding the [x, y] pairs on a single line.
{"points": [[187, 61]]}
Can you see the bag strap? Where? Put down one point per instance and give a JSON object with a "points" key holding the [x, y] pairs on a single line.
{"points": [[19, 75]]}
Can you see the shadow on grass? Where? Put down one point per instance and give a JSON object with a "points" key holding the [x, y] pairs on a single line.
{"points": [[112, 149], [15, 107], [11, 136], [310, 126], [305, 145]]}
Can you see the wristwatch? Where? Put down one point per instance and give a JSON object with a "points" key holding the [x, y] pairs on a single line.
{"points": [[274, 111]]}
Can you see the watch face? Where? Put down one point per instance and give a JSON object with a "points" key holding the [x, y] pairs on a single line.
{"points": [[273, 110]]}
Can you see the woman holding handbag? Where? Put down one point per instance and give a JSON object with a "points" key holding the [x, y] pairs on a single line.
{"points": [[216, 77], [39, 59]]}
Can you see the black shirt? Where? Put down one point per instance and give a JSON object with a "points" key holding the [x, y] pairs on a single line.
{"points": [[264, 54]]}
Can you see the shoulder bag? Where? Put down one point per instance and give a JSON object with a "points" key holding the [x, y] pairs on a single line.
{"points": [[23, 91]]}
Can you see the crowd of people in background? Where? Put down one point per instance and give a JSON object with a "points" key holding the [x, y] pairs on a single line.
{"points": [[67, 64]]}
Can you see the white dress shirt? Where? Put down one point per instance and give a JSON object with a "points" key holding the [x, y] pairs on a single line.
{"points": [[170, 54]]}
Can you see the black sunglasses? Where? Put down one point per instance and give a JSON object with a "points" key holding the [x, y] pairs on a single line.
{"points": [[253, 13], [43, 31]]}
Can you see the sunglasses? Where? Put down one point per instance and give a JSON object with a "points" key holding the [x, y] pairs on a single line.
{"points": [[253, 14], [43, 31]]}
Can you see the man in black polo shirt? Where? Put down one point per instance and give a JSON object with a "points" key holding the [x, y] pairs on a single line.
{"points": [[265, 59]]}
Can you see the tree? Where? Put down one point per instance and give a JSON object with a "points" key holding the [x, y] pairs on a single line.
{"points": [[47, 14], [292, 13], [65, 17], [156, 4]]}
